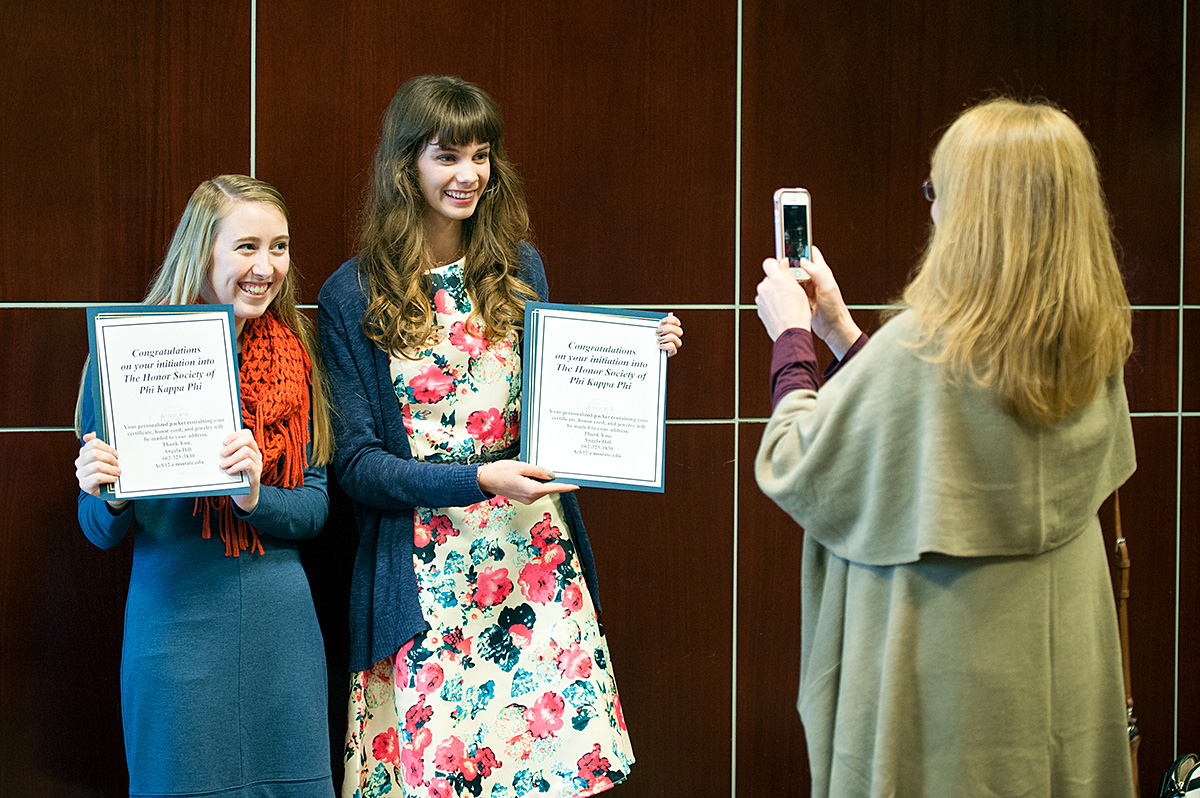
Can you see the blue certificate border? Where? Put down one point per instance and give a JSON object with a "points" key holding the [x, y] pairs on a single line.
{"points": [[103, 424], [530, 398]]}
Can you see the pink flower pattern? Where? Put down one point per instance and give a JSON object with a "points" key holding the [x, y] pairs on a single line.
{"points": [[432, 384], [512, 683], [492, 587], [486, 425], [545, 716], [467, 339]]}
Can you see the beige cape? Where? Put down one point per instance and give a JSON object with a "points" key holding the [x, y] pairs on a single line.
{"points": [[958, 629]]}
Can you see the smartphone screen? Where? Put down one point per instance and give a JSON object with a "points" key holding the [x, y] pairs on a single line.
{"points": [[793, 222]]}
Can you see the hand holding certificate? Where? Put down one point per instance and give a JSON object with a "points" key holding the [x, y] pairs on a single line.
{"points": [[166, 391], [595, 393]]}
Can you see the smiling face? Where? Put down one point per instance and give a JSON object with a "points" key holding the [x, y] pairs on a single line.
{"points": [[249, 261], [453, 179]]}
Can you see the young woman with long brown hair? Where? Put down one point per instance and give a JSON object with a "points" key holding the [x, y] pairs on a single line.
{"points": [[480, 667]]}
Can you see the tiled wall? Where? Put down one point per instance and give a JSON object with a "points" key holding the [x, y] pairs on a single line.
{"points": [[650, 136]]}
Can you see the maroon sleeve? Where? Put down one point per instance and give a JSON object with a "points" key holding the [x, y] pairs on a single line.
{"points": [[851, 352], [793, 363]]}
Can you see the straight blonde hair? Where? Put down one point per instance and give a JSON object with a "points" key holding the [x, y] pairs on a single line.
{"points": [[1019, 288], [185, 271]]}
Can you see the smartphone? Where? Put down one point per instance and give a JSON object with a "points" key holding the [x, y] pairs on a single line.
{"points": [[793, 228]]}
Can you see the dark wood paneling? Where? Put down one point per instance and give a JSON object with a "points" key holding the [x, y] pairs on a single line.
{"points": [[666, 587], [771, 751], [1191, 178], [41, 361], [113, 112], [1189, 592], [700, 380], [62, 606], [1152, 372], [1191, 364], [1148, 522], [620, 119], [853, 116]]}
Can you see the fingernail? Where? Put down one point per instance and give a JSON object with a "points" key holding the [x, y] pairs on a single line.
{"points": [[549, 474]]}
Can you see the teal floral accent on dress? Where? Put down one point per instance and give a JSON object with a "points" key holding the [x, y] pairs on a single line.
{"points": [[509, 692]]}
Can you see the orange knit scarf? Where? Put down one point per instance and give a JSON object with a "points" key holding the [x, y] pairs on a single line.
{"points": [[275, 375]]}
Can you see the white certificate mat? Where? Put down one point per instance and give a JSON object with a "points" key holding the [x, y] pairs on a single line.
{"points": [[166, 390], [595, 387]]}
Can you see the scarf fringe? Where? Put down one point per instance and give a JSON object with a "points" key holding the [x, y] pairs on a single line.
{"points": [[275, 375]]}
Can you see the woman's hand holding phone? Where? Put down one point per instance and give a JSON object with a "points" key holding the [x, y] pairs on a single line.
{"points": [[782, 302], [831, 320]]}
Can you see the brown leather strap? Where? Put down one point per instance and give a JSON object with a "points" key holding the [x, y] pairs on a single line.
{"points": [[1122, 551]]}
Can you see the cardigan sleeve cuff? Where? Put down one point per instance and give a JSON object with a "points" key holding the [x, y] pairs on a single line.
{"points": [[793, 363], [833, 367]]}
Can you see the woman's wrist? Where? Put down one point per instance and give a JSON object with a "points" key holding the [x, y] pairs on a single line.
{"points": [[843, 336]]}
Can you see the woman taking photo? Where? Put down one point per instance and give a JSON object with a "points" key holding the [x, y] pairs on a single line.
{"points": [[958, 632], [223, 678], [480, 663]]}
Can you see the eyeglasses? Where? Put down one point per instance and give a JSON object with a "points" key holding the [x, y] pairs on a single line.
{"points": [[927, 190]]}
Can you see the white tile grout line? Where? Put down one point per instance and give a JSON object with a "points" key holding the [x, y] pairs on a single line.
{"points": [[737, 392], [1179, 369], [253, 87]]}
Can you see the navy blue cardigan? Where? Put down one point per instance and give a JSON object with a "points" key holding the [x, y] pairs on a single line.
{"points": [[374, 465]]}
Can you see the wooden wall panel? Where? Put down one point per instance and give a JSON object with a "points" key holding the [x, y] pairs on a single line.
{"points": [[701, 385], [771, 755], [1152, 371], [848, 99], [1191, 178], [113, 112], [1191, 362], [626, 147], [666, 587], [1148, 521], [40, 384], [62, 605], [1189, 591]]}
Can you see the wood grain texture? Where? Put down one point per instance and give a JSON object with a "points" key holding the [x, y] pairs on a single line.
{"points": [[665, 563], [1188, 739], [848, 101], [114, 112], [1152, 371], [771, 754], [1148, 521], [619, 119], [41, 363], [62, 608]]}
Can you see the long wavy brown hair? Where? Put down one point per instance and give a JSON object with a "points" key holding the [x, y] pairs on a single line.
{"points": [[1019, 289], [394, 253]]}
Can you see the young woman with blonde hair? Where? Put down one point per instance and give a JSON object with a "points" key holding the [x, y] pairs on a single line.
{"points": [[223, 679], [480, 667], [958, 634]]}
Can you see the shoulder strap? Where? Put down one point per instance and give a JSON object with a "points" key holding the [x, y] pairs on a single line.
{"points": [[1122, 563]]}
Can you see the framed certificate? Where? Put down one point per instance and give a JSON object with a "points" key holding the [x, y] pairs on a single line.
{"points": [[595, 388], [166, 391]]}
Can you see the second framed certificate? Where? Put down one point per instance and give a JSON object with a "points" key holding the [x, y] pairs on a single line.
{"points": [[595, 387]]}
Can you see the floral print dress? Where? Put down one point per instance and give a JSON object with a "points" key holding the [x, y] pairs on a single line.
{"points": [[511, 691]]}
